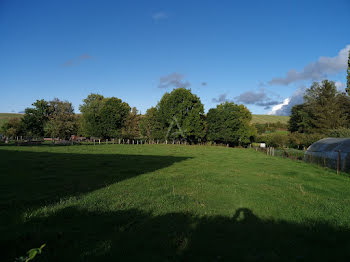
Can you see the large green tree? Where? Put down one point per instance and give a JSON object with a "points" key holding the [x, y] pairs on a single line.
{"points": [[150, 125], [181, 115], [300, 119], [62, 121], [323, 101], [114, 113], [36, 117], [131, 129], [325, 108], [230, 123], [103, 117], [91, 122]]}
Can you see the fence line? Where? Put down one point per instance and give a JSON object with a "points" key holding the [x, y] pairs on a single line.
{"points": [[98, 141]]}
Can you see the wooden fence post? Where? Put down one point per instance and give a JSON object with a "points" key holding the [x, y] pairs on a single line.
{"points": [[338, 161]]}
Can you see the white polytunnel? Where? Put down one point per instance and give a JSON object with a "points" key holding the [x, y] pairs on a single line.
{"points": [[328, 152]]}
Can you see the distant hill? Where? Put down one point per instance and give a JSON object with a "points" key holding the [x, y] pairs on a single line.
{"points": [[4, 117], [262, 119]]}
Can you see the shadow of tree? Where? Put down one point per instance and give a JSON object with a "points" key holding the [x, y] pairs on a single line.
{"points": [[33, 179], [132, 235]]}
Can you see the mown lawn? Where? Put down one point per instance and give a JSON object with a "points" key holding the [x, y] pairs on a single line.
{"points": [[169, 203]]}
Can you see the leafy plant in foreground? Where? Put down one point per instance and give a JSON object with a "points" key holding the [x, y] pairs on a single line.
{"points": [[31, 254]]}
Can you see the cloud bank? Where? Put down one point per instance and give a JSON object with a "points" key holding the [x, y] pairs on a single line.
{"points": [[316, 70], [258, 98], [173, 80], [222, 98]]}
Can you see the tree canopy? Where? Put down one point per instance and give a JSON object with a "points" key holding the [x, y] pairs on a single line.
{"points": [[324, 108], [62, 121], [14, 127], [150, 125], [35, 119], [230, 123], [103, 117], [181, 115]]}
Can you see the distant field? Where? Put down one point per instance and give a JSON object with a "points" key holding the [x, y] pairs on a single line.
{"points": [[169, 203], [262, 119], [4, 117]]}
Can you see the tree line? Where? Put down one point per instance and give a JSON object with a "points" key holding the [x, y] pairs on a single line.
{"points": [[179, 115]]}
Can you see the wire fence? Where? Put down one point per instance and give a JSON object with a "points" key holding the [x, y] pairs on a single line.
{"points": [[74, 140]]}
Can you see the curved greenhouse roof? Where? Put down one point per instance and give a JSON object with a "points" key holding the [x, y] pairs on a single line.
{"points": [[327, 151]]}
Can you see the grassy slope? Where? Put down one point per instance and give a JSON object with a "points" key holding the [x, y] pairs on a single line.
{"points": [[262, 119], [170, 203], [4, 117]]}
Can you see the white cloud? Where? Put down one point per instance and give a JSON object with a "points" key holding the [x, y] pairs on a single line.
{"points": [[159, 16], [340, 85], [278, 107], [316, 70], [284, 108]]}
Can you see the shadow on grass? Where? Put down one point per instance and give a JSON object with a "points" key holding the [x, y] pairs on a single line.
{"points": [[33, 179], [131, 235]]}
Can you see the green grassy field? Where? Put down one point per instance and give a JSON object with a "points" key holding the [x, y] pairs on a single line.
{"points": [[169, 203], [263, 119], [4, 117]]}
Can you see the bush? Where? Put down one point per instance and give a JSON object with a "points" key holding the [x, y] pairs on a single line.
{"points": [[303, 140], [12, 128], [342, 132], [274, 140]]}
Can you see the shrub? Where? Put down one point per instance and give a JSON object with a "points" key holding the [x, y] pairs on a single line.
{"points": [[274, 140], [341, 132], [303, 140]]}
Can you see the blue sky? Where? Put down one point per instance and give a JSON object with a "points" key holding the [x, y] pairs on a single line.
{"points": [[137, 50]]}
